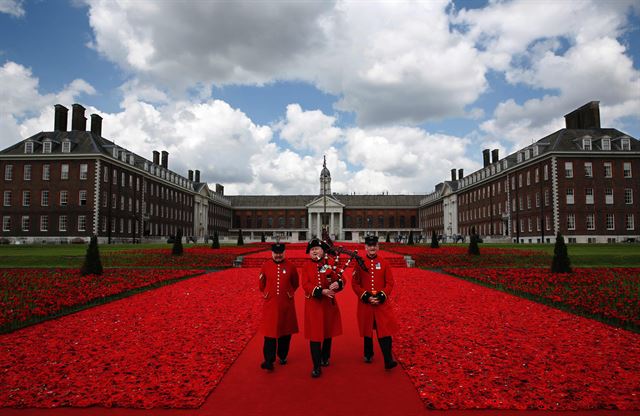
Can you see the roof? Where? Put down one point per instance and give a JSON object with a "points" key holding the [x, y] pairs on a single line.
{"points": [[300, 201]]}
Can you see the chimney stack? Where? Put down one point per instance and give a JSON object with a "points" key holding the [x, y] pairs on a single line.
{"points": [[165, 159], [453, 175], [460, 174], [219, 189], [494, 155], [190, 175], [156, 157], [78, 120], [585, 117], [60, 118], [485, 157], [96, 125], [197, 177]]}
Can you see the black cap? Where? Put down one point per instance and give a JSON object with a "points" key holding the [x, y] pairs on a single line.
{"points": [[316, 242], [277, 248], [371, 240]]}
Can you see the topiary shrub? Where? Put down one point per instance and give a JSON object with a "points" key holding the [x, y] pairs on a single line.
{"points": [[177, 249], [434, 240], [240, 240], [560, 262], [473, 245], [216, 241], [92, 263]]}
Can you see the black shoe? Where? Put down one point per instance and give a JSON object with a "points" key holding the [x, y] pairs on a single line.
{"points": [[266, 366], [315, 373], [368, 359], [283, 361], [325, 363], [390, 365]]}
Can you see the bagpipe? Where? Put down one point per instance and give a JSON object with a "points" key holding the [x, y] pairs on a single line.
{"points": [[335, 251]]}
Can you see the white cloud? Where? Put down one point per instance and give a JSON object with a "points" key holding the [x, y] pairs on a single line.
{"points": [[308, 130], [12, 7]]}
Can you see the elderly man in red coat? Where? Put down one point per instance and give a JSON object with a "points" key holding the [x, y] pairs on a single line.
{"points": [[322, 319], [374, 311], [278, 283]]}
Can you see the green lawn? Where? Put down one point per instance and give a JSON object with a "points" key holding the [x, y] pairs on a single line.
{"points": [[67, 255]]}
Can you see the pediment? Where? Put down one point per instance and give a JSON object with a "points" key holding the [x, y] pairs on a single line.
{"points": [[331, 202]]}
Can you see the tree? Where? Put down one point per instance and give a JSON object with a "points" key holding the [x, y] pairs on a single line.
{"points": [[410, 241], [92, 263], [434, 240], [561, 262], [240, 240], [473, 245], [177, 249], [262, 238], [388, 239], [216, 242]]}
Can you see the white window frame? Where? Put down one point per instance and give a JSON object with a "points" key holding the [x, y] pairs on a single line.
{"points": [[586, 144], [626, 168], [62, 223], [44, 198], [26, 172], [590, 221], [570, 196], [84, 171], [46, 172], [588, 170], [82, 223], [6, 223], [610, 222], [28, 147], [26, 198], [46, 146], [629, 222], [44, 223], [66, 146], [608, 196], [606, 144], [82, 196], [588, 196], [625, 144], [608, 170], [568, 170], [64, 198], [25, 223], [571, 221], [64, 171], [628, 196], [6, 199], [8, 172]]}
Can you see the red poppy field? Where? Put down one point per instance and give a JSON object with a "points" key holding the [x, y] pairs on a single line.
{"points": [[163, 348], [29, 293], [611, 293], [470, 347]]}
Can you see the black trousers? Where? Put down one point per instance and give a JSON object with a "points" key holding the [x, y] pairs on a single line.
{"points": [[385, 346], [320, 351], [270, 345]]}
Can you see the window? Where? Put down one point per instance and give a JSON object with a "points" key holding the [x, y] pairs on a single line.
{"points": [[27, 173], [28, 147], [46, 147], [606, 144], [588, 196], [82, 198], [104, 224], [84, 169], [123, 180], [121, 202], [611, 225], [537, 199], [46, 172], [66, 148], [569, 196], [6, 223], [82, 223], [625, 144], [64, 171], [588, 170], [6, 200], [105, 174], [608, 196], [629, 225], [44, 198], [571, 222], [26, 198], [528, 201], [591, 222], [115, 177], [628, 196], [64, 198], [25, 223], [627, 169], [568, 169], [528, 178], [607, 170], [546, 172], [537, 175], [586, 144], [62, 223], [8, 172], [44, 223]]}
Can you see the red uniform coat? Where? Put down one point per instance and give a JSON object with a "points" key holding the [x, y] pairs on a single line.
{"points": [[378, 279], [321, 315], [278, 283]]}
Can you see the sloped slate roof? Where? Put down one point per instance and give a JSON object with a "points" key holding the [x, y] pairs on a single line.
{"points": [[351, 201]]}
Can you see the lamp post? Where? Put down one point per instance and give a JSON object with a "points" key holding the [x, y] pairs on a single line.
{"points": [[109, 201]]}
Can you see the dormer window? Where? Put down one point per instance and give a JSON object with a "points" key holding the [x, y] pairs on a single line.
{"points": [[625, 144], [66, 146], [519, 157], [46, 146], [606, 144], [28, 147], [536, 150], [586, 144], [115, 152], [131, 159], [526, 154]]}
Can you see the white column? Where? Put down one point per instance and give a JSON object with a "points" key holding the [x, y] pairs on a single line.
{"points": [[319, 225], [331, 229], [309, 225]]}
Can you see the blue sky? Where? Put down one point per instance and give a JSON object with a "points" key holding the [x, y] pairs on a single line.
{"points": [[255, 93]]}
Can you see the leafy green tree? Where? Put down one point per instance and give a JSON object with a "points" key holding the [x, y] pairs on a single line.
{"points": [[92, 263], [388, 239], [473, 245], [262, 238], [434, 240], [177, 249], [561, 262], [410, 241], [240, 240]]}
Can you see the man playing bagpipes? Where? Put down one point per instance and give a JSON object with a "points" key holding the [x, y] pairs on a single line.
{"points": [[373, 287], [278, 283]]}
